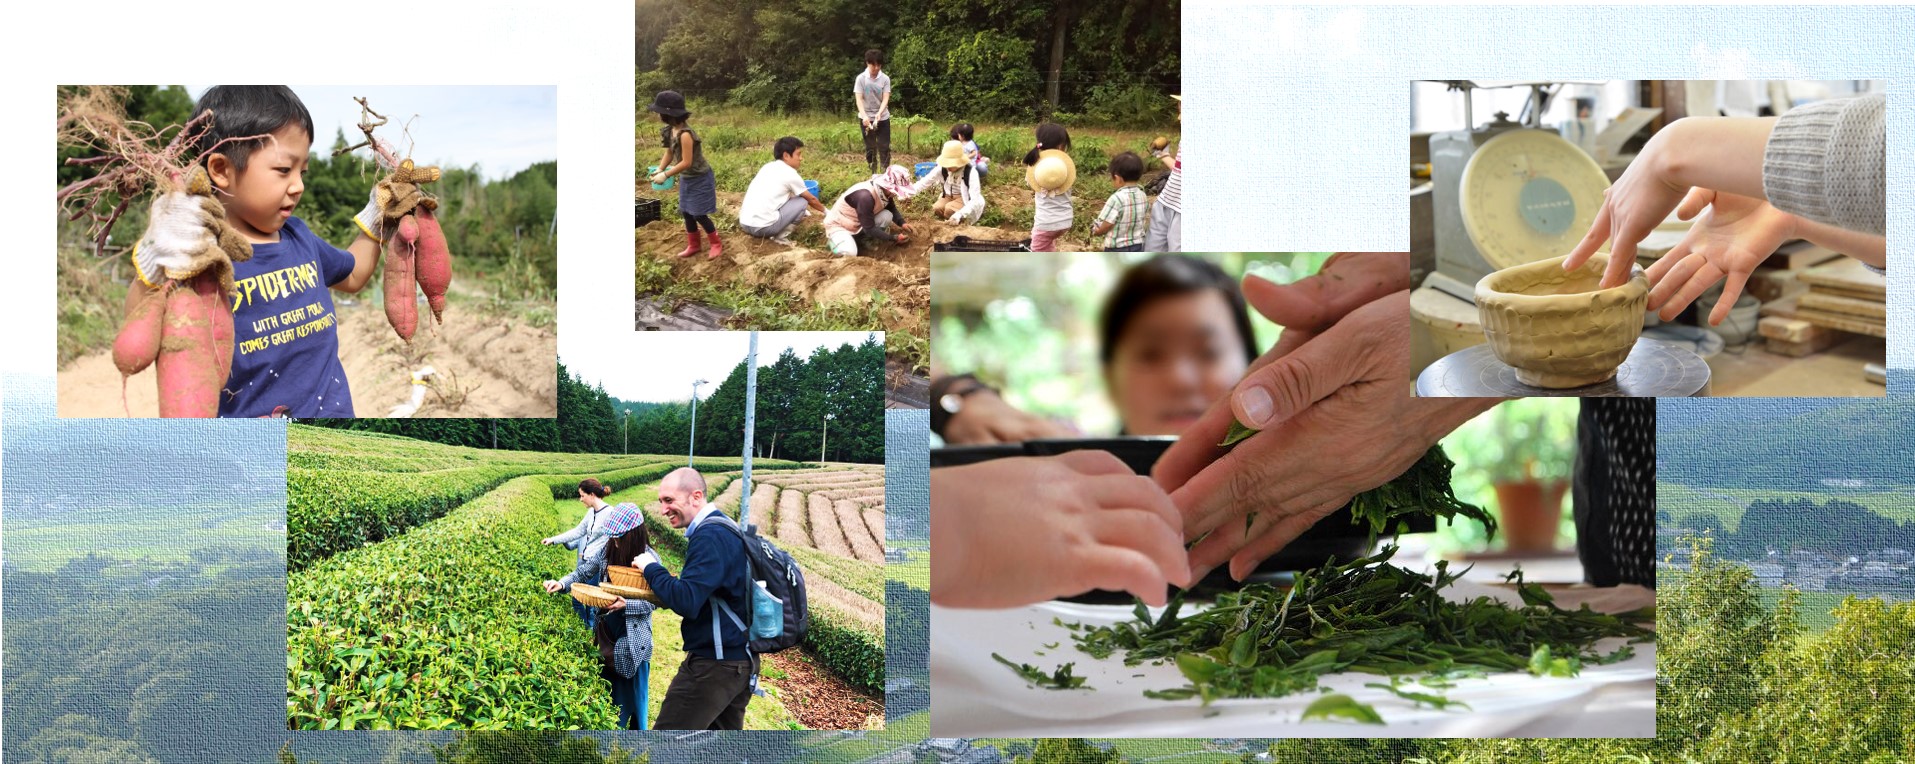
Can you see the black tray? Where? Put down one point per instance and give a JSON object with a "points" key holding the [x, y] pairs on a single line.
{"points": [[968, 244], [644, 211]]}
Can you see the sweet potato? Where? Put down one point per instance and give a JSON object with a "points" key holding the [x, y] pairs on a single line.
{"points": [[139, 340], [402, 309], [189, 384], [221, 314], [434, 262]]}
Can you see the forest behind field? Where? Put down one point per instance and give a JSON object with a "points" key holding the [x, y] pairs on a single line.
{"points": [[1100, 62]]}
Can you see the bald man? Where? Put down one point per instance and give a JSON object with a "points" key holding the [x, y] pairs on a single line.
{"points": [[713, 596]]}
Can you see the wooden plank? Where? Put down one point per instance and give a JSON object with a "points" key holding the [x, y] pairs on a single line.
{"points": [[1800, 349], [1785, 308], [1791, 329], [1847, 274], [1798, 255], [1854, 324], [1771, 284], [1859, 294], [1874, 309]]}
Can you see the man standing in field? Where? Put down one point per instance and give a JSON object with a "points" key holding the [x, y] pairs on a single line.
{"points": [[872, 89], [714, 682]]}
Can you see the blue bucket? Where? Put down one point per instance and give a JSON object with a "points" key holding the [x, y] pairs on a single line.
{"points": [[812, 186], [667, 185], [925, 168]]}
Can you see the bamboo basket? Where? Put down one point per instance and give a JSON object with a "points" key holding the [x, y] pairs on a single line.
{"points": [[631, 592], [625, 575], [591, 596]]}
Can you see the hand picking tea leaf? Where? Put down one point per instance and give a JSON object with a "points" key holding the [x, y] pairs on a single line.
{"points": [[1237, 432], [1341, 706], [1061, 679]]}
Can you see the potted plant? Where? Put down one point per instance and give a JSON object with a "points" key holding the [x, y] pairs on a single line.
{"points": [[1532, 449]]}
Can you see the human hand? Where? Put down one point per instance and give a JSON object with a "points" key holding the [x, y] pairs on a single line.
{"points": [[617, 604], [1631, 209], [1011, 532], [901, 238], [1731, 239], [186, 234], [546, 541], [866, 121], [1336, 418], [643, 559], [957, 218], [551, 587], [1347, 281], [658, 177], [987, 418]]}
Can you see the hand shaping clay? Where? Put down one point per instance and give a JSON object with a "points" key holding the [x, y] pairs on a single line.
{"points": [[1557, 328]]}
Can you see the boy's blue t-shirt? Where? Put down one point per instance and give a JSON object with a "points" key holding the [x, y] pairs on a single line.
{"points": [[285, 335]]}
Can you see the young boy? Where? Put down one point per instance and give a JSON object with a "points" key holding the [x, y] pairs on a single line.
{"points": [[286, 337], [966, 134], [778, 197], [1124, 220], [872, 89]]}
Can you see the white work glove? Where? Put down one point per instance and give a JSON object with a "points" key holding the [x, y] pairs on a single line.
{"points": [[658, 177], [371, 220], [181, 237], [644, 559], [957, 218]]}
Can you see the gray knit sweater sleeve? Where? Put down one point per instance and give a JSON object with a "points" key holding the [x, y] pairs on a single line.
{"points": [[636, 646], [1828, 162], [591, 566]]}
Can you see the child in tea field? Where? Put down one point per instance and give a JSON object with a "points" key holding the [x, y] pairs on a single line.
{"points": [[1126, 213], [965, 134], [1051, 172], [961, 195], [624, 630], [684, 159], [591, 546]]}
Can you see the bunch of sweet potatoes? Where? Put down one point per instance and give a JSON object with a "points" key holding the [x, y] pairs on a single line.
{"points": [[417, 258]]}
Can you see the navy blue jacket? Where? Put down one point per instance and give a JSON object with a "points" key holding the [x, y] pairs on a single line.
{"points": [[715, 568]]}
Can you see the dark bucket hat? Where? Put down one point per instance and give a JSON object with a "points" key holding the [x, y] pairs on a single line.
{"points": [[670, 104]]}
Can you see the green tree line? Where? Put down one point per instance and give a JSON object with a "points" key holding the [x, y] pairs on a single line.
{"points": [[794, 395], [1108, 62]]}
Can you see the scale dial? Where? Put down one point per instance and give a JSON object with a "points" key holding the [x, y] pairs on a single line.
{"points": [[1529, 195]]}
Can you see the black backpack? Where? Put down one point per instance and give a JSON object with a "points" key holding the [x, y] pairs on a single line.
{"points": [[782, 579]]}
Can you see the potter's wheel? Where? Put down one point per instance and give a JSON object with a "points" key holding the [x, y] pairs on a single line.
{"points": [[1653, 369]]}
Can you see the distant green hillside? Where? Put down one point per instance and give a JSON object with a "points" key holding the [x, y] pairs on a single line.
{"points": [[1859, 441]]}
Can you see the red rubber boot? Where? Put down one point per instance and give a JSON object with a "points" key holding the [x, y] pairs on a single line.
{"points": [[717, 249], [691, 244]]}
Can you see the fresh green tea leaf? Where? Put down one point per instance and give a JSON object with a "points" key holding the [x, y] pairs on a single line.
{"points": [[1340, 706]]}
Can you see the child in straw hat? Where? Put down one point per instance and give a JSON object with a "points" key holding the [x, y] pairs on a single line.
{"points": [[1167, 215], [961, 198], [1051, 173]]}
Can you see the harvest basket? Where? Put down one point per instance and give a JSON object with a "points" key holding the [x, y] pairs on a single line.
{"points": [[625, 575], [591, 596], [631, 592], [645, 211], [968, 244]]}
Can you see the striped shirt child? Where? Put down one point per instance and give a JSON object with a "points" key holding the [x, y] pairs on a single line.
{"points": [[1127, 211]]}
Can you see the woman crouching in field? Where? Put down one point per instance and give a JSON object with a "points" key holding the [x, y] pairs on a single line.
{"points": [[960, 195], [869, 210], [624, 630]]}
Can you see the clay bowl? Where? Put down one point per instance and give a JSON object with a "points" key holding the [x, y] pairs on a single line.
{"points": [[1557, 328]]}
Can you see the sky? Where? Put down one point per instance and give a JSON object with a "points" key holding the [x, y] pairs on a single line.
{"points": [[660, 366], [501, 129]]}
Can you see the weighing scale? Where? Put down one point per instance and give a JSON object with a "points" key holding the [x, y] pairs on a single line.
{"points": [[1654, 368], [1504, 194]]}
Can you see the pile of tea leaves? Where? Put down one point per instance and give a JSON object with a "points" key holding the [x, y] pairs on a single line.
{"points": [[1367, 616]]}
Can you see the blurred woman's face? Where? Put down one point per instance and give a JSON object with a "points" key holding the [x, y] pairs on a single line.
{"points": [[1178, 355]]}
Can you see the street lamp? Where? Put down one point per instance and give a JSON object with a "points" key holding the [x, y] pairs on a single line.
{"points": [[827, 436], [692, 452]]}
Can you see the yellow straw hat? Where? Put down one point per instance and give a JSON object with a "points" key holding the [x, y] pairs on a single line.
{"points": [[1054, 171], [952, 157]]}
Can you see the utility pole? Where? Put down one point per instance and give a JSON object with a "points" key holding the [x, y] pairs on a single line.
{"points": [[751, 408], [827, 436], [692, 452], [624, 424]]}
